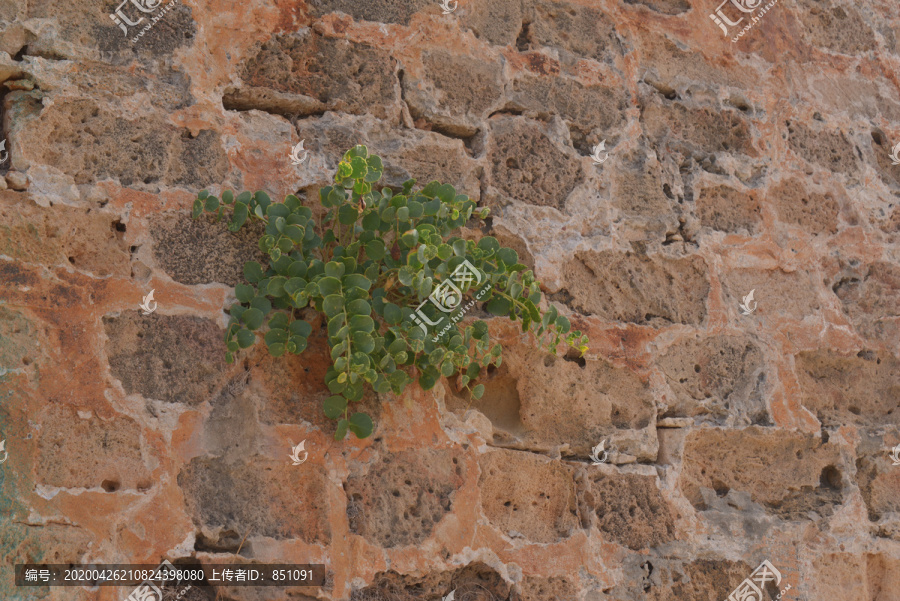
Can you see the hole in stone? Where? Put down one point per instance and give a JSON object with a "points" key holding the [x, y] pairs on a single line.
{"points": [[120, 227], [72, 260], [854, 410], [697, 369], [512, 163], [831, 478], [522, 43], [575, 357], [110, 485], [396, 493]]}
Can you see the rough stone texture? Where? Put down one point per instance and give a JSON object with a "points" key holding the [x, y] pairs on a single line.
{"points": [[168, 358], [257, 497], [760, 462], [717, 379], [336, 74], [455, 93], [528, 494], [630, 510], [90, 453], [201, 251], [399, 500], [528, 166], [758, 164], [728, 210], [860, 390], [638, 288]]}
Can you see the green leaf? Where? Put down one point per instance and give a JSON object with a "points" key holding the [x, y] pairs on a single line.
{"points": [[362, 323], [359, 167], [334, 406], [361, 425], [341, 431], [253, 318], [276, 335], [478, 391], [375, 249], [253, 272], [363, 342], [488, 244], [508, 256], [348, 214], [197, 209], [244, 293], [356, 280], [203, 194], [459, 248], [276, 286], [392, 313], [239, 217], [300, 328], [333, 304], [212, 203], [261, 303], [245, 338], [359, 307], [499, 306], [334, 269], [330, 285]]}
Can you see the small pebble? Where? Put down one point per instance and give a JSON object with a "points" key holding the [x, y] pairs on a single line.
{"points": [[17, 180]]}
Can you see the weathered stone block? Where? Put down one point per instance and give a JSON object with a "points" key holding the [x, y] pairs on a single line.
{"points": [[177, 359], [90, 453], [89, 143], [836, 28], [830, 150], [578, 31], [474, 582], [591, 112], [870, 294], [653, 290], [666, 7], [527, 166], [862, 390], [203, 251], [455, 93], [259, 496], [788, 473], [524, 396], [380, 11], [91, 241], [398, 500], [629, 509], [719, 378], [814, 212], [528, 494], [728, 210], [337, 74]]}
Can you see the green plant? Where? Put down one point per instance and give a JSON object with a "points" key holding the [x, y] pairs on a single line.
{"points": [[374, 257]]}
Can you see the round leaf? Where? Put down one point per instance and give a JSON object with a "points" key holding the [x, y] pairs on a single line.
{"points": [[253, 318], [334, 406], [361, 425]]}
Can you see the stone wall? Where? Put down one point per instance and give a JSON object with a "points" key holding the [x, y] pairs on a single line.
{"points": [[757, 164]]}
